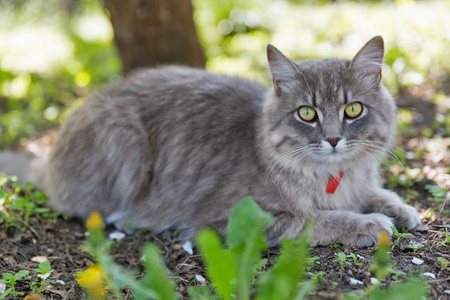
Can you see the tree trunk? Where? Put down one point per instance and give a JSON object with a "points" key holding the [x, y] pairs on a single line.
{"points": [[149, 33]]}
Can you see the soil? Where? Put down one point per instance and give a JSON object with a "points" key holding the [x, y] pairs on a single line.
{"points": [[61, 241]]}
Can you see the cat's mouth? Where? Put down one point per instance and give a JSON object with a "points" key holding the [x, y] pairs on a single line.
{"points": [[336, 150], [337, 155]]}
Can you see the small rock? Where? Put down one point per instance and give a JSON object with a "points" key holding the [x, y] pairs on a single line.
{"points": [[39, 259], [355, 281], [188, 247], [428, 274], [2, 288], [417, 261], [87, 233], [200, 278], [116, 235], [60, 282], [373, 280]]}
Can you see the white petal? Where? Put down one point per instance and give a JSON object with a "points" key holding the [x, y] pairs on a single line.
{"points": [[188, 247], [373, 280], [200, 278], [417, 261], [355, 281], [116, 235], [428, 274], [2, 288]]}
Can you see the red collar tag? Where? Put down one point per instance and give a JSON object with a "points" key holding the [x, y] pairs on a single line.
{"points": [[334, 182]]}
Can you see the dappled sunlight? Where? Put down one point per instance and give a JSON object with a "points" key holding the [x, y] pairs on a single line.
{"points": [[94, 27], [34, 50], [416, 34]]}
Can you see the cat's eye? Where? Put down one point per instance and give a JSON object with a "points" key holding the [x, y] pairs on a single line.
{"points": [[307, 113], [353, 110]]}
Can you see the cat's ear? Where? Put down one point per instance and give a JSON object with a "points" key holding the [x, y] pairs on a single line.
{"points": [[368, 61], [284, 71]]}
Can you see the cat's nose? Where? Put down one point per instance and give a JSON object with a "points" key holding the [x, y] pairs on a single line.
{"points": [[333, 141]]}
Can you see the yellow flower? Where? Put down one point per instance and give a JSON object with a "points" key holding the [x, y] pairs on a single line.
{"points": [[93, 280], [384, 239], [94, 222]]}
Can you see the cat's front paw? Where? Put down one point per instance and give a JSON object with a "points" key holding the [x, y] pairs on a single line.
{"points": [[391, 205], [368, 230], [404, 215]]}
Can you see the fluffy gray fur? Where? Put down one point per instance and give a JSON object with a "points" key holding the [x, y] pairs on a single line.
{"points": [[179, 147]]}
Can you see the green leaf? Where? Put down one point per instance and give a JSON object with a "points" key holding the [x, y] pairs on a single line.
{"points": [[247, 219], [342, 257], [281, 281], [305, 287], [6, 293], [21, 274], [44, 267], [156, 274], [259, 265], [220, 267], [7, 276], [409, 290], [120, 278], [201, 293], [246, 239]]}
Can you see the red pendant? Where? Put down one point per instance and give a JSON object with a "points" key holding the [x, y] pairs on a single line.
{"points": [[334, 182]]}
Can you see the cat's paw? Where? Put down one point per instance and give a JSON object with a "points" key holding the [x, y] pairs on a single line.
{"points": [[391, 205], [404, 215], [368, 230]]}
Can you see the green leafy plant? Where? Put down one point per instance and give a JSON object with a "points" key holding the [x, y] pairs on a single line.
{"points": [[415, 247], [357, 260], [341, 258], [446, 238], [437, 193], [230, 268], [398, 235], [19, 204], [444, 263], [105, 274], [310, 261], [43, 272], [10, 281]]}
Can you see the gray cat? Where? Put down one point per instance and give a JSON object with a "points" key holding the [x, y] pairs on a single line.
{"points": [[178, 148]]}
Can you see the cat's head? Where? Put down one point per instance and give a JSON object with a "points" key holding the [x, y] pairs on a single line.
{"points": [[330, 111]]}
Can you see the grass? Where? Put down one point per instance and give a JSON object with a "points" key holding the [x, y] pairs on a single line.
{"points": [[21, 204]]}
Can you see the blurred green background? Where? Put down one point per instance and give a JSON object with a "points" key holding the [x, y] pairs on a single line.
{"points": [[55, 53]]}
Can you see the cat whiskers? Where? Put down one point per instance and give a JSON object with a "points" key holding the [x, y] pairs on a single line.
{"points": [[298, 155], [384, 144], [370, 147]]}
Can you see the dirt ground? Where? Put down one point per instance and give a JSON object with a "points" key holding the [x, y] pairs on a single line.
{"points": [[60, 242]]}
